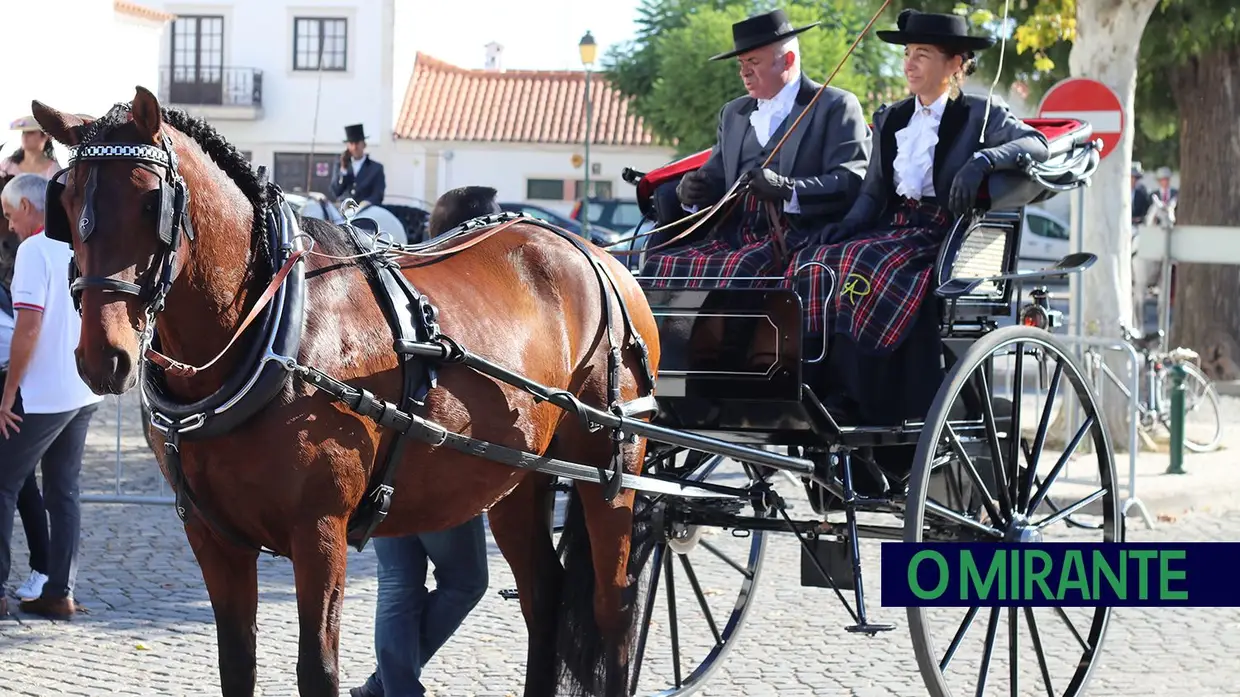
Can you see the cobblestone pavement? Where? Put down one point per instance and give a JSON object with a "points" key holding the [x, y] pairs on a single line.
{"points": [[150, 629]]}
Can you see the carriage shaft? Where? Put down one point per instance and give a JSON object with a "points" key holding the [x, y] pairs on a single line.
{"points": [[569, 402]]}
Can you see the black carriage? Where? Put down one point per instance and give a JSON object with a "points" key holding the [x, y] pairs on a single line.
{"points": [[948, 477]]}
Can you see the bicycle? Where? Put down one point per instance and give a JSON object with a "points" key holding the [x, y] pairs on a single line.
{"points": [[1203, 424]]}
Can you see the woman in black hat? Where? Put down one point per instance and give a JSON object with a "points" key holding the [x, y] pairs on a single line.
{"points": [[931, 153]]}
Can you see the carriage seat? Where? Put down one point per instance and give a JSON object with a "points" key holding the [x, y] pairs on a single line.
{"points": [[766, 403]]}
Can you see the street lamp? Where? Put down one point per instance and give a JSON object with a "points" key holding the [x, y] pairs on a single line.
{"points": [[589, 51]]}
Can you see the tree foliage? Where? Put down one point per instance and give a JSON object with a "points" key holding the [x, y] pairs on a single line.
{"points": [[679, 91]]}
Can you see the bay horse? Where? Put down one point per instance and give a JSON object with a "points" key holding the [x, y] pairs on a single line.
{"points": [[290, 477]]}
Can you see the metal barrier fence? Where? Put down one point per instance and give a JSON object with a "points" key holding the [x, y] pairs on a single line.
{"points": [[1101, 374], [118, 466]]}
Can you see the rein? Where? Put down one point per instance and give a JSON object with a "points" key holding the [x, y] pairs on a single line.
{"points": [[732, 195]]}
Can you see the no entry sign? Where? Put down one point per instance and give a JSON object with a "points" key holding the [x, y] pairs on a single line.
{"points": [[1090, 101]]}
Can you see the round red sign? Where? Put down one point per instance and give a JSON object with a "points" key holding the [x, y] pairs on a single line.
{"points": [[1090, 101]]}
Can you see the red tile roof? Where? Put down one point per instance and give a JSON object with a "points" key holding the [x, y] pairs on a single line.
{"points": [[446, 102], [133, 9]]}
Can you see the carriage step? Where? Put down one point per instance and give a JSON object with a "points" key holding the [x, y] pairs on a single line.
{"points": [[869, 628], [509, 594], [836, 559]]}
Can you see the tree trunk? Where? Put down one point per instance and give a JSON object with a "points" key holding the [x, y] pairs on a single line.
{"points": [[1108, 34], [1207, 296]]}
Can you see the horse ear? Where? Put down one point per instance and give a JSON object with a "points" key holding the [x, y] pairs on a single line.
{"points": [[147, 115], [64, 128]]}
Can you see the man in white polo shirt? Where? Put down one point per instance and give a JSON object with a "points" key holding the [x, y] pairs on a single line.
{"points": [[48, 419]]}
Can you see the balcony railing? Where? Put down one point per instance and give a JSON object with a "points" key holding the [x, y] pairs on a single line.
{"points": [[211, 86]]}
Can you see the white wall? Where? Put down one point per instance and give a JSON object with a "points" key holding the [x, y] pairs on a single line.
{"points": [[83, 70], [419, 169], [259, 34]]}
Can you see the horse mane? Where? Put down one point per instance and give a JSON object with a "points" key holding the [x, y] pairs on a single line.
{"points": [[222, 153]]}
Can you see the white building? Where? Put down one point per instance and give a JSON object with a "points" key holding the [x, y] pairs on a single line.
{"points": [[521, 132], [281, 80], [99, 50]]}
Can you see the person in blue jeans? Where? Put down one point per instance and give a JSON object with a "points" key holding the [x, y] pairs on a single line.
{"points": [[411, 624]]}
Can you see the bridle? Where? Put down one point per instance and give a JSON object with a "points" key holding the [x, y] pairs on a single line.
{"points": [[173, 217]]}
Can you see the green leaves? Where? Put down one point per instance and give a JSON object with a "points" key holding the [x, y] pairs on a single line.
{"points": [[679, 91]]}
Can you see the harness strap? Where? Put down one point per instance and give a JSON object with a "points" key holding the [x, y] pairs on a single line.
{"points": [[180, 369]]}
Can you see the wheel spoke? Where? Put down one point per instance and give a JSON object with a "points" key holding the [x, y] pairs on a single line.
{"points": [[1068, 452], [992, 628], [1014, 433], [1039, 440], [954, 517], [1069, 510], [715, 551], [1013, 650], [992, 439], [960, 632], [669, 571], [1072, 627], [701, 597], [647, 612], [1037, 648], [975, 476]]}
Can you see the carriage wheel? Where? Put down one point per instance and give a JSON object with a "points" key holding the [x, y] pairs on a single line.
{"points": [[964, 450], [699, 584]]}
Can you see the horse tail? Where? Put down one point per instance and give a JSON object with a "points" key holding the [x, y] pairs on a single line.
{"points": [[589, 659]]}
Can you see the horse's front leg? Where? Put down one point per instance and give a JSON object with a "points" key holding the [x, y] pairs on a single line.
{"points": [[231, 575], [320, 559]]}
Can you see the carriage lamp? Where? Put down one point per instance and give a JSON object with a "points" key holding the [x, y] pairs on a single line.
{"points": [[589, 51], [1039, 314]]}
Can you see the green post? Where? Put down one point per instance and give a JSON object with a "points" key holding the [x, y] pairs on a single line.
{"points": [[1177, 419]]}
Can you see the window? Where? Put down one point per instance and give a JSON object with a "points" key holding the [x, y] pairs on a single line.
{"points": [[293, 169], [1045, 227], [598, 189], [544, 189], [197, 60], [320, 41]]}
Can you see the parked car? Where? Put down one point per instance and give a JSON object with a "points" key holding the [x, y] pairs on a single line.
{"points": [[611, 213], [314, 205], [1043, 239], [553, 217]]}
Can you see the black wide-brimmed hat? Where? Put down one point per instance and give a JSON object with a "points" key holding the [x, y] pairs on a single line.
{"points": [[761, 30], [355, 133], [948, 31]]}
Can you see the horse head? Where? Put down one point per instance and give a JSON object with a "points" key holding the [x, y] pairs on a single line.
{"points": [[123, 205]]}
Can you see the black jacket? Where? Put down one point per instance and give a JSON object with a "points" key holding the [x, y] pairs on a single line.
{"points": [[368, 185]]}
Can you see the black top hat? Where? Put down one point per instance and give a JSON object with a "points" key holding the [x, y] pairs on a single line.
{"points": [[354, 133], [948, 31], [761, 30]]}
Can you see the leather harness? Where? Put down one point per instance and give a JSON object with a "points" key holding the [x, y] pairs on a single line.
{"points": [[418, 343]]}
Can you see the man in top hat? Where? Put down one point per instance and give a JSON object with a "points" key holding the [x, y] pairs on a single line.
{"points": [[359, 177], [811, 181]]}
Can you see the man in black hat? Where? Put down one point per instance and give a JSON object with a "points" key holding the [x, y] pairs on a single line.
{"points": [[359, 177], [811, 181]]}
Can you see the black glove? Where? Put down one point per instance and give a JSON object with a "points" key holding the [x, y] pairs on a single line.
{"points": [[695, 189], [964, 187], [835, 233], [768, 185]]}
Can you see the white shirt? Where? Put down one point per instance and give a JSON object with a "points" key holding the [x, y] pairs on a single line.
{"points": [[357, 164], [913, 166], [51, 384], [769, 115], [766, 119]]}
